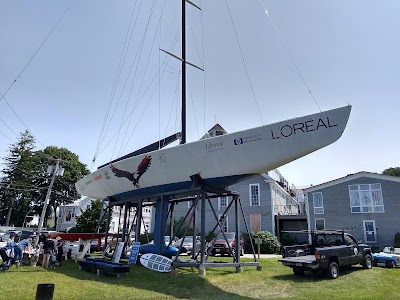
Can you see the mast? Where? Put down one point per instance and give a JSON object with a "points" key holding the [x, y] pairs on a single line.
{"points": [[183, 117]]}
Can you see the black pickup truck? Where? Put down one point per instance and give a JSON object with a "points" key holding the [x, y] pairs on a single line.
{"points": [[329, 251]]}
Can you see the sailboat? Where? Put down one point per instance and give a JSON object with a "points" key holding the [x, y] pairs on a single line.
{"points": [[219, 161]]}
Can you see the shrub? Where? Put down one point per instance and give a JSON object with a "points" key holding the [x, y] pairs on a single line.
{"points": [[270, 243], [287, 239], [397, 240]]}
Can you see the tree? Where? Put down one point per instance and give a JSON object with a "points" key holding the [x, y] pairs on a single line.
{"points": [[63, 191], [392, 171], [17, 185], [88, 220]]}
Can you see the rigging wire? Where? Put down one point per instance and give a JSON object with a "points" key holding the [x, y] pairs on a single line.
{"points": [[194, 110], [289, 53], [116, 79], [204, 68], [159, 80], [173, 104], [141, 97], [143, 76], [139, 52], [244, 63]]}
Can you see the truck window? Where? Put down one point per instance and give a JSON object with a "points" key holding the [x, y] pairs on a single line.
{"points": [[350, 241]]}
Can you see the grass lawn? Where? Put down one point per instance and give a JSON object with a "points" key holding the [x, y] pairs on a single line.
{"points": [[273, 282]]}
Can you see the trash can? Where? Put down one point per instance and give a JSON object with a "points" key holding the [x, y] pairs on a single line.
{"points": [[44, 291]]}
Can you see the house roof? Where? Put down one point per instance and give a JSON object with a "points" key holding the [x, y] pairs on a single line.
{"points": [[352, 177]]}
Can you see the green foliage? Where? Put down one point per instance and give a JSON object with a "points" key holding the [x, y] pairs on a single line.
{"points": [[397, 240], [179, 231], [210, 235], [88, 220], [25, 182], [63, 191], [16, 193], [392, 171], [146, 238], [287, 239], [270, 243]]}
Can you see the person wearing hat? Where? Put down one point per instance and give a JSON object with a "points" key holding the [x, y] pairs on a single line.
{"points": [[60, 251]]}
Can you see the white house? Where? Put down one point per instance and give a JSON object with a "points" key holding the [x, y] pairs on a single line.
{"points": [[67, 215]]}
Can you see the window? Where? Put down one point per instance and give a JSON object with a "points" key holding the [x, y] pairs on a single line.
{"points": [[319, 224], [318, 202], [224, 222], [68, 216], [366, 198], [369, 231], [222, 201], [254, 194]]}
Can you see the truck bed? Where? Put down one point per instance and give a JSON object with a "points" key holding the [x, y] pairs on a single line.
{"points": [[307, 261]]}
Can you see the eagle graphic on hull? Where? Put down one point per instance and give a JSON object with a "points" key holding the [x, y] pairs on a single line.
{"points": [[135, 176]]}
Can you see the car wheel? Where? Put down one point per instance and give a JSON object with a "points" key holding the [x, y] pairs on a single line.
{"points": [[390, 264], [332, 271], [298, 272], [367, 263]]}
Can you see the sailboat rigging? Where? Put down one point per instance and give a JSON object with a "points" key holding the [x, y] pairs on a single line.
{"points": [[219, 161]]}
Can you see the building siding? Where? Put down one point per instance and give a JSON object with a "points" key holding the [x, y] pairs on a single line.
{"points": [[337, 211], [243, 189]]}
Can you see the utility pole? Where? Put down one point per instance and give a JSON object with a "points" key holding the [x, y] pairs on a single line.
{"points": [[56, 171]]}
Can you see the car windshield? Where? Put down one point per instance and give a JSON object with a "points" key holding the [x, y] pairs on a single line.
{"points": [[188, 239], [229, 236], [167, 239]]}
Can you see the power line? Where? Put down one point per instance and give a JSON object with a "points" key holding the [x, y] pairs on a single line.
{"points": [[2, 96], [34, 54]]}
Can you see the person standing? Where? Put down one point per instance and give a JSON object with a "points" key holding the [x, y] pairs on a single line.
{"points": [[46, 251], [60, 250]]}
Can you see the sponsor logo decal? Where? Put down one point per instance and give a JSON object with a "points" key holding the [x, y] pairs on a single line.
{"points": [[248, 139], [98, 177], [301, 127], [162, 159], [214, 146], [106, 175]]}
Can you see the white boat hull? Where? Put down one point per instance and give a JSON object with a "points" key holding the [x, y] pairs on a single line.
{"points": [[220, 161]]}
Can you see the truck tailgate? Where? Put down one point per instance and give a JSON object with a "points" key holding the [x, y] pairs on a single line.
{"points": [[307, 261]]}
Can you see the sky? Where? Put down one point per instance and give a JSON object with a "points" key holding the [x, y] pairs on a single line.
{"points": [[65, 64]]}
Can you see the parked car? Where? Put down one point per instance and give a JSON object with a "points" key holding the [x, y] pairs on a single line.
{"points": [[4, 236], [222, 246], [329, 251], [168, 239], [389, 257], [24, 234], [187, 244]]}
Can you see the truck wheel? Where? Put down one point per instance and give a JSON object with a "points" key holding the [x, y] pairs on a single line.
{"points": [[332, 271], [367, 263], [390, 264], [298, 272]]}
